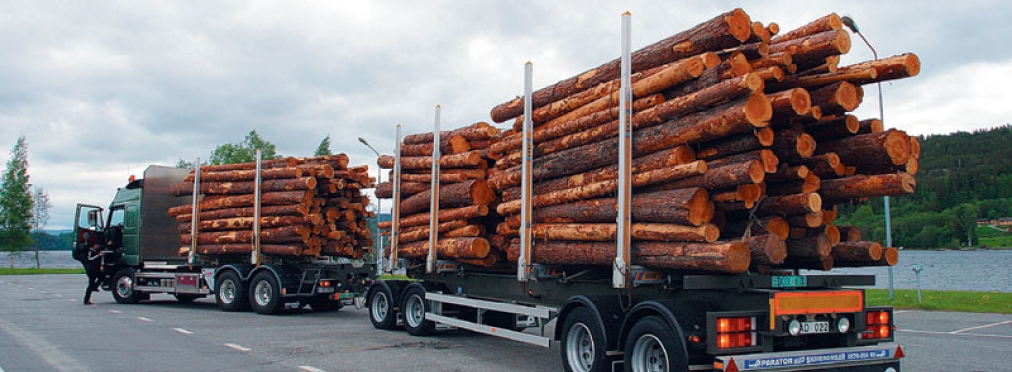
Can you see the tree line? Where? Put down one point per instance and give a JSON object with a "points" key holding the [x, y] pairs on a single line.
{"points": [[963, 177]]}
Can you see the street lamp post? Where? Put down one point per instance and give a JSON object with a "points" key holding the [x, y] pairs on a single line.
{"points": [[379, 237], [849, 22]]}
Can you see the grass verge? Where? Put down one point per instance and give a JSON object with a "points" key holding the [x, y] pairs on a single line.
{"points": [[32, 271], [973, 302]]}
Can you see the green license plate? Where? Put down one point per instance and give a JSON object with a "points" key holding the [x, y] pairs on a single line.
{"points": [[792, 281]]}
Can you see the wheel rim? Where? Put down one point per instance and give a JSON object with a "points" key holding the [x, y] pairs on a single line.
{"points": [[649, 355], [227, 291], [124, 286], [380, 307], [264, 293], [414, 311], [580, 348]]}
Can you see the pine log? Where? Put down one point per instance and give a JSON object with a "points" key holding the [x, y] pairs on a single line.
{"points": [[446, 230], [243, 223], [447, 247], [829, 22], [469, 159], [833, 129], [765, 157], [599, 189], [235, 249], [423, 230], [818, 245], [453, 144], [836, 97], [444, 177], [780, 60], [790, 173], [245, 174], [808, 220], [776, 226], [473, 192], [300, 209], [462, 213], [608, 232], [857, 251], [767, 249], [283, 234], [892, 68], [790, 103], [724, 31], [791, 146], [812, 50], [829, 215], [685, 206], [733, 65], [890, 257], [826, 165], [865, 186], [809, 185], [725, 257], [787, 205], [727, 176], [871, 126], [684, 104], [890, 147], [849, 233], [736, 144], [385, 190], [214, 202], [269, 163], [338, 161], [243, 187], [812, 81]]}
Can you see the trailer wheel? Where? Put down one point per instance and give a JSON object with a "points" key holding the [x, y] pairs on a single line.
{"points": [[123, 287], [265, 293], [381, 309], [652, 346], [583, 344], [230, 293], [414, 308]]}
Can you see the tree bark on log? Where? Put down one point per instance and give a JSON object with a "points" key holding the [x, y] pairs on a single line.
{"points": [[866, 186], [837, 128], [787, 205], [791, 146], [300, 209], [837, 97], [242, 223], [469, 159], [789, 104], [890, 147], [284, 234], [811, 50], [243, 187], [724, 177], [830, 22], [895, 67], [736, 144], [765, 157], [453, 144], [790, 173], [810, 246], [724, 31], [227, 249], [776, 226], [767, 249], [608, 232], [447, 247], [890, 257], [849, 233], [725, 257], [246, 174], [473, 192], [857, 251], [685, 206], [444, 215]]}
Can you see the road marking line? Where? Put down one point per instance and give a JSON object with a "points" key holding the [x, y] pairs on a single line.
{"points": [[304, 368], [51, 353], [983, 326], [955, 334], [71, 300], [238, 347], [900, 311], [143, 319], [183, 331], [115, 311]]}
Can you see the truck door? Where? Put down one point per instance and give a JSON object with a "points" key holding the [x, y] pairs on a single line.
{"points": [[88, 226]]}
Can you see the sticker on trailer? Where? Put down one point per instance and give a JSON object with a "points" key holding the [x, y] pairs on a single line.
{"points": [[760, 363]]}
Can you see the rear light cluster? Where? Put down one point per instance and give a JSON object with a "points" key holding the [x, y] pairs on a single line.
{"points": [[879, 325], [737, 332]]}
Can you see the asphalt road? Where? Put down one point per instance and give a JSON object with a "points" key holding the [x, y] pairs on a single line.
{"points": [[44, 327]]}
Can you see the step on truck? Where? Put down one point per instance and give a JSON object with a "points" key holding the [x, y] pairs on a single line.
{"points": [[145, 258]]}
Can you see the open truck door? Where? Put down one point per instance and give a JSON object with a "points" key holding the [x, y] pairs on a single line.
{"points": [[88, 229]]}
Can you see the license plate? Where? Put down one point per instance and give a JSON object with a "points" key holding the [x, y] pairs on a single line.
{"points": [[814, 327]]}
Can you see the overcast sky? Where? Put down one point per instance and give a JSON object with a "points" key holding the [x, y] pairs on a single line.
{"points": [[102, 89]]}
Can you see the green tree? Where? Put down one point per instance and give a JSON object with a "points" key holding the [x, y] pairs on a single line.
{"points": [[183, 164], [324, 148], [16, 202], [40, 217], [244, 151]]}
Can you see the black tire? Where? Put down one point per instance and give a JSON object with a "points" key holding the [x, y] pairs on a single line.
{"points": [[414, 306], [123, 287], [265, 293], [186, 298], [325, 305], [652, 346], [230, 292], [583, 344], [382, 313]]}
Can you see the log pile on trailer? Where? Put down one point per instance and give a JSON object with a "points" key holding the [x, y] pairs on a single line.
{"points": [[743, 146], [309, 207]]}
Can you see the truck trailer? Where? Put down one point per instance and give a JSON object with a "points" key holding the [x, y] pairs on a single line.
{"points": [[149, 260]]}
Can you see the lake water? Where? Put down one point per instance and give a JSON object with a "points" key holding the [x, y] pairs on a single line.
{"points": [[989, 271]]}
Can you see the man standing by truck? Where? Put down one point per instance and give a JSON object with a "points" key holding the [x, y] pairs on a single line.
{"points": [[93, 268]]}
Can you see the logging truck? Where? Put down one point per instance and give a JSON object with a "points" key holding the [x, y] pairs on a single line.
{"points": [[652, 281], [142, 256]]}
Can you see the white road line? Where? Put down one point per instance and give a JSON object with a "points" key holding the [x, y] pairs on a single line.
{"points": [[955, 334], [71, 300], [183, 331], [51, 354], [143, 319], [304, 368], [983, 326], [238, 347], [115, 311]]}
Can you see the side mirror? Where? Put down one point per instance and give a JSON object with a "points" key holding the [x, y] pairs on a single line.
{"points": [[93, 218]]}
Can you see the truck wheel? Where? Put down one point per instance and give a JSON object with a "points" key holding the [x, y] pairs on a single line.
{"points": [[186, 298], [583, 346], [381, 309], [652, 346], [324, 304], [265, 293], [230, 293], [414, 308], [123, 287]]}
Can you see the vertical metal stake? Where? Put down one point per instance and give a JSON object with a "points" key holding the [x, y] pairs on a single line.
{"points": [[395, 218], [622, 259], [524, 261], [194, 220], [255, 255], [430, 261]]}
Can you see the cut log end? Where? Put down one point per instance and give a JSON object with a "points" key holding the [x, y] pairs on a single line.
{"points": [[739, 24], [758, 110]]}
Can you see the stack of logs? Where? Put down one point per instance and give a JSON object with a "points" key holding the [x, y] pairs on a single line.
{"points": [[309, 207], [464, 196], [743, 145]]}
